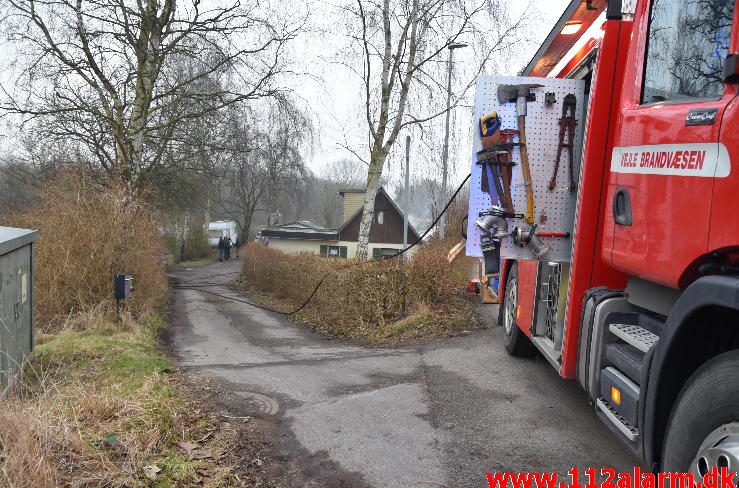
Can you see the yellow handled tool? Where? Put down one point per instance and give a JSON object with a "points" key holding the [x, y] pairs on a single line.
{"points": [[521, 94]]}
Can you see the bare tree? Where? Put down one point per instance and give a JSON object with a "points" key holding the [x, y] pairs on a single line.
{"points": [[401, 44], [101, 72], [262, 161], [285, 133], [345, 172]]}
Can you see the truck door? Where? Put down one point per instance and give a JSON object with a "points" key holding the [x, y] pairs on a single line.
{"points": [[667, 153], [724, 232]]}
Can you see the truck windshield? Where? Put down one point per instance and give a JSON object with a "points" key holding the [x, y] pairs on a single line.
{"points": [[687, 46]]}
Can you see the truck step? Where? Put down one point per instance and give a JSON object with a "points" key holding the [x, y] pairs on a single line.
{"points": [[627, 359], [617, 420], [634, 335]]}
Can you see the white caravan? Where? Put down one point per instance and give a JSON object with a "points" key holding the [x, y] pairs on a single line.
{"points": [[221, 228]]}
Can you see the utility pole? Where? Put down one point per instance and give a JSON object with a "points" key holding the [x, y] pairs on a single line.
{"points": [[445, 153], [406, 195]]}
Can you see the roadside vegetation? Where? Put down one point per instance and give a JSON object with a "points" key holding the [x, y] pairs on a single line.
{"points": [[189, 248], [87, 234], [380, 302], [101, 404]]}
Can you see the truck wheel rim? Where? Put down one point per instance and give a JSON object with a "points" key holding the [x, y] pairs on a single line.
{"points": [[719, 450], [510, 306]]}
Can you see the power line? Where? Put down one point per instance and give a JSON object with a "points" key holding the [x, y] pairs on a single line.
{"points": [[199, 286]]}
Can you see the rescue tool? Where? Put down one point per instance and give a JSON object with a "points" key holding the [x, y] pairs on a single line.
{"points": [[566, 130], [495, 159], [522, 94]]}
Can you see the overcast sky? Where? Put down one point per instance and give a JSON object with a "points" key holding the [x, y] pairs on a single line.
{"points": [[331, 94], [334, 101]]}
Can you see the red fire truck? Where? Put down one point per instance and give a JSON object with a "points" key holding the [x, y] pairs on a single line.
{"points": [[645, 312]]}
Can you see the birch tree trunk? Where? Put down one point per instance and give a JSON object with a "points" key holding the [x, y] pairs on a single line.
{"points": [[374, 173]]}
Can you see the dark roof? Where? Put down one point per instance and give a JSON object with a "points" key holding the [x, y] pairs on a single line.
{"points": [[301, 230], [303, 235], [307, 224], [307, 230], [351, 190]]}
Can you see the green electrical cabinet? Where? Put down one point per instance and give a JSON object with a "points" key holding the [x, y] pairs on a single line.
{"points": [[16, 302]]}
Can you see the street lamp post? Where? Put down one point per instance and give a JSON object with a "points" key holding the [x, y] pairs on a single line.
{"points": [[406, 196], [445, 153]]}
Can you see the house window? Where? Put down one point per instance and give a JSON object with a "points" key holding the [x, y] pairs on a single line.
{"points": [[334, 251], [687, 47], [384, 252], [380, 217]]}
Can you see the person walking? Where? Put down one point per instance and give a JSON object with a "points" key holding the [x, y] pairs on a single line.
{"points": [[227, 247], [221, 248]]}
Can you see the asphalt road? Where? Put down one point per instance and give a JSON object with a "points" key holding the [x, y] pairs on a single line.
{"points": [[441, 414]]}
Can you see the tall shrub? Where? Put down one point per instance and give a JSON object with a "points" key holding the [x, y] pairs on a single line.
{"points": [[196, 242], [360, 296], [87, 234]]}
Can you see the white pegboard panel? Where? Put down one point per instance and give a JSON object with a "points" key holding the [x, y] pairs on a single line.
{"points": [[542, 132]]}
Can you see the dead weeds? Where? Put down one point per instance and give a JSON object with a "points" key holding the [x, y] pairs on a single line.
{"points": [[88, 233], [104, 407], [382, 302]]}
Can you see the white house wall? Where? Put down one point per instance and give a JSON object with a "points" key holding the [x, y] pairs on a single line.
{"points": [[296, 246]]}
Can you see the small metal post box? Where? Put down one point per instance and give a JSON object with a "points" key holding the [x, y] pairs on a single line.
{"points": [[123, 286]]}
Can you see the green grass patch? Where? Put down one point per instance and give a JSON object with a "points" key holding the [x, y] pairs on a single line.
{"points": [[100, 405]]}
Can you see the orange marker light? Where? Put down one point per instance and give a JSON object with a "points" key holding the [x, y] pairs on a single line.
{"points": [[616, 395]]}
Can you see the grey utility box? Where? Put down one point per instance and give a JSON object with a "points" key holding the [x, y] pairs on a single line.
{"points": [[16, 302]]}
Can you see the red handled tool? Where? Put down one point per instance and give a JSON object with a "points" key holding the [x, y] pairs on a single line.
{"points": [[566, 129]]}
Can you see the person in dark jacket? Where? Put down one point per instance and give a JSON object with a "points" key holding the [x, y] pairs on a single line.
{"points": [[227, 247], [221, 248], [236, 247]]}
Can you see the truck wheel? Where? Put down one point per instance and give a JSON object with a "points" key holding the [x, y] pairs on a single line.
{"points": [[514, 340], [703, 430]]}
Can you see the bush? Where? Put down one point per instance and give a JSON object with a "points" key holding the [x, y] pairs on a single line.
{"points": [[195, 245], [365, 299], [86, 235], [196, 242]]}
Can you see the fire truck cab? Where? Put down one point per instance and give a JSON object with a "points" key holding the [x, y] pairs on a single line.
{"points": [[646, 310]]}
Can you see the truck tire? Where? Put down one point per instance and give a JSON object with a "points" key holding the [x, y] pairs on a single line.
{"points": [[514, 340], [703, 430]]}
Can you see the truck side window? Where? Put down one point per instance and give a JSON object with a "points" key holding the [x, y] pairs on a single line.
{"points": [[687, 46]]}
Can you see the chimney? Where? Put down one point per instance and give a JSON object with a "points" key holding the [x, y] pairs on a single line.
{"points": [[353, 201]]}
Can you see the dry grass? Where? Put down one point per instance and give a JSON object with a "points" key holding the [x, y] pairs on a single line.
{"points": [[98, 408], [385, 301], [101, 406], [86, 235]]}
